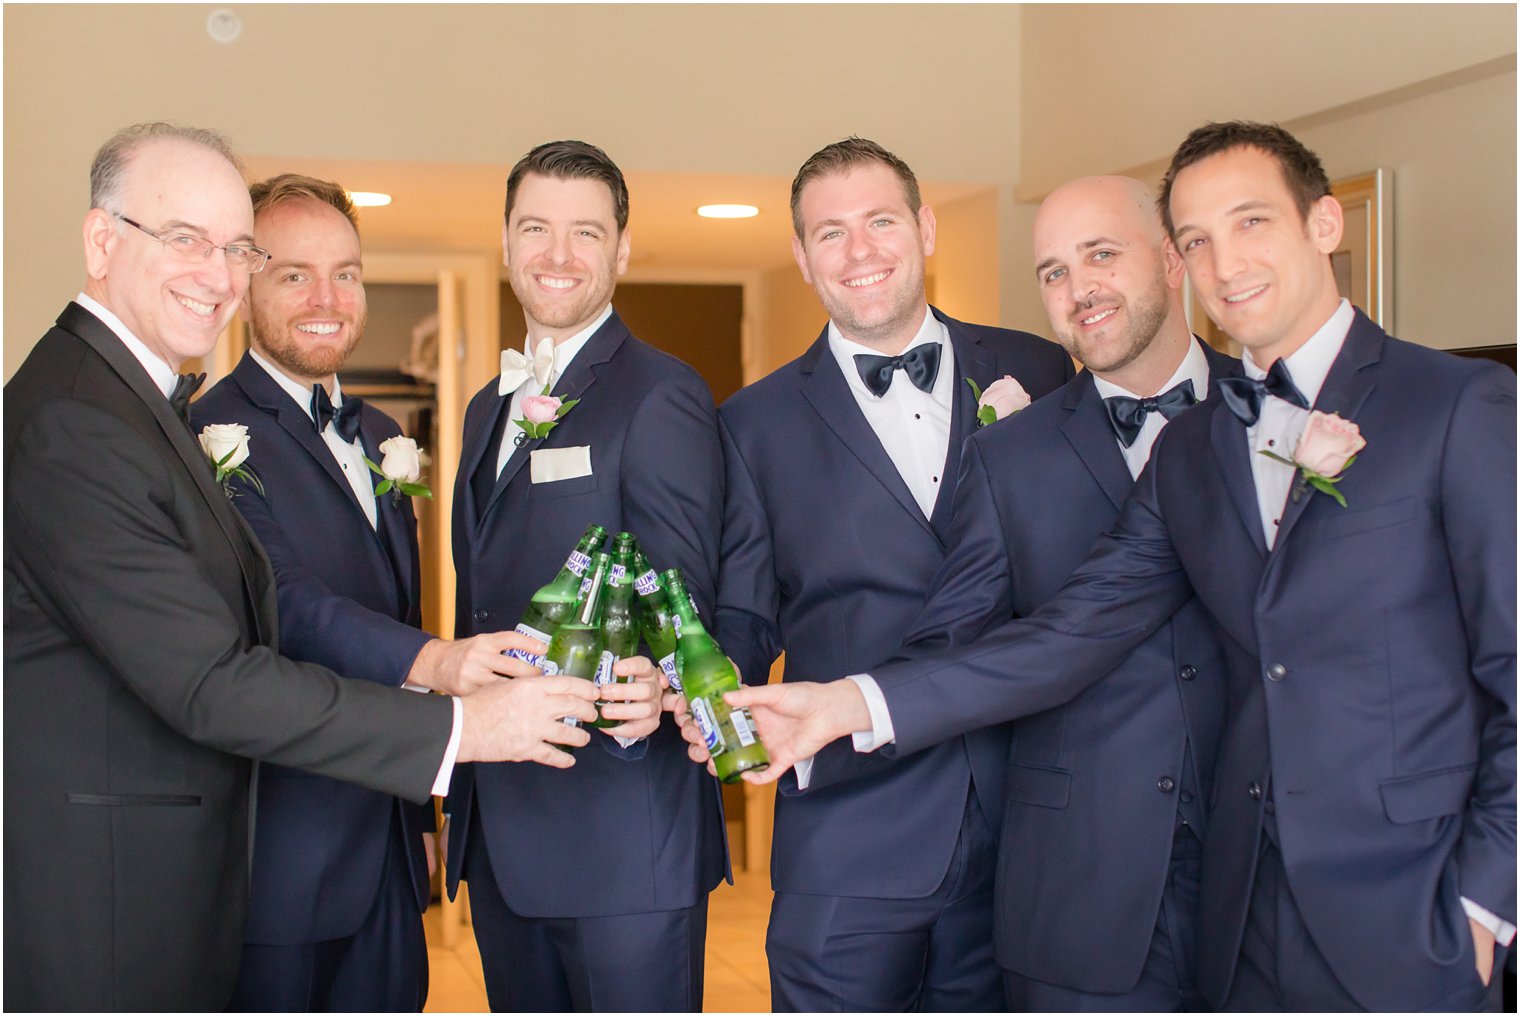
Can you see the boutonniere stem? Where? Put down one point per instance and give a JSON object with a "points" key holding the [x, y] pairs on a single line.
{"points": [[1326, 449], [1002, 399], [226, 445]]}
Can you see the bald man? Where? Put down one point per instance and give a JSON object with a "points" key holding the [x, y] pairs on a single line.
{"points": [[1097, 881]]}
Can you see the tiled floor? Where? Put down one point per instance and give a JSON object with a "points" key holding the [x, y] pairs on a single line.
{"points": [[736, 974]]}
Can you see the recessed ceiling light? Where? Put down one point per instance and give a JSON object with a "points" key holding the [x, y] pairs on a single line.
{"points": [[369, 199], [728, 211]]}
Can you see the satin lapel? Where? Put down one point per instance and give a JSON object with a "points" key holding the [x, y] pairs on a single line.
{"points": [[1091, 436], [392, 516], [1228, 436], [827, 391], [1351, 379], [573, 384], [977, 363], [251, 560]]}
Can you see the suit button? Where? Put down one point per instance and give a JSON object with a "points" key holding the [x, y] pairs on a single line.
{"points": [[481, 615], [1188, 672], [1254, 790], [1276, 672], [1165, 784], [1186, 797], [1270, 807]]}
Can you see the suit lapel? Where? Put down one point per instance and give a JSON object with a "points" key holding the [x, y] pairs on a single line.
{"points": [[392, 515], [572, 384], [977, 363], [1091, 436], [1350, 381], [250, 556], [827, 391], [1228, 437]]}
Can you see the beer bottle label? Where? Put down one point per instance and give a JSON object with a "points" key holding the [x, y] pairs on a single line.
{"points": [[604, 669], [647, 583], [668, 664], [616, 575], [578, 563], [702, 713], [744, 726], [532, 659], [570, 721], [550, 668], [675, 622]]}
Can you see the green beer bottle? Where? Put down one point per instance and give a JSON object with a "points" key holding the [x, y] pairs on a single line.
{"points": [[730, 734], [658, 623], [555, 601], [577, 647], [620, 623]]}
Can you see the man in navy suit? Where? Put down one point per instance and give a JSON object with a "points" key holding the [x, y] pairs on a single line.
{"points": [[1361, 845], [1097, 885], [588, 892], [838, 510], [340, 877]]}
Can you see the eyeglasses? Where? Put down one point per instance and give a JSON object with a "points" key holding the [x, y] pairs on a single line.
{"points": [[195, 249]]}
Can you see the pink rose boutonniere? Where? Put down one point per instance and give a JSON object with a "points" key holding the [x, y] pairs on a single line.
{"points": [[541, 413], [1326, 448], [1002, 399]]}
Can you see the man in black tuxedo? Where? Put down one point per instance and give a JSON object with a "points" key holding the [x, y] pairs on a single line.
{"points": [[588, 889], [141, 672], [836, 518], [1361, 841]]}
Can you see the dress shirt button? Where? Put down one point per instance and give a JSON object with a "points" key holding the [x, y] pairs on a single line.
{"points": [[1188, 672], [1165, 784], [481, 615], [1276, 672], [1254, 790]]}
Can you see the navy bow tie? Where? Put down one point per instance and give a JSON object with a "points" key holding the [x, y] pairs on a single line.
{"points": [[185, 385], [345, 419], [1244, 395], [921, 364], [1128, 415]]}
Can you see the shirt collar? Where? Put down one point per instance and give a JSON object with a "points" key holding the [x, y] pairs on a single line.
{"points": [[293, 388], [1310, 364], [565, 351], [158, 369], [1194, 367], [932, 331]]}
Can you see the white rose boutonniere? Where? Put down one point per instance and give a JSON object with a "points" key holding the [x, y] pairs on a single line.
{"points": [[1002, 399], [226, 445], [1326, 449], [400, 469]]}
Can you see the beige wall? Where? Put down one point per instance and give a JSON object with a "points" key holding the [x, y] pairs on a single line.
{"points": [[791, 319], [965, 264]]}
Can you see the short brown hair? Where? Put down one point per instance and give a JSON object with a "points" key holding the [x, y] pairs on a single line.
{"points": [[288, 186], [1301, 168], [111, 161], [571, 160], [842, 156]]}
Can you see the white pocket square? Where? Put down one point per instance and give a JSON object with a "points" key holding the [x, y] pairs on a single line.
{"points": [[550, 464]]}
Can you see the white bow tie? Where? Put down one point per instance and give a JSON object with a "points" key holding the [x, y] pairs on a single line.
{"points": [[517, 369]]}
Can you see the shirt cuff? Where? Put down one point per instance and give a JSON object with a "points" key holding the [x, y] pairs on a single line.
{"points": [[626, 742], [1504, 932], [881, 732], [446, 769], [802, 771]]}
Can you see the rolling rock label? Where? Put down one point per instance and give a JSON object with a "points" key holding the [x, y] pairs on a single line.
{"points": [[532, 659], [668, 664], [578, 563], [708, 725], [646, 583], [744, 726], [604, 669]]}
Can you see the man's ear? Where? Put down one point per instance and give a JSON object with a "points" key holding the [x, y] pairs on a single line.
{"points": [[1326, 224], [100, 238]]}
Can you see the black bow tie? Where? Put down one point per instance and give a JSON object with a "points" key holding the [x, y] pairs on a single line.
{"points": [[345, 419], [1243, 395], [921, 363], [1128, 415], [185, 386]]}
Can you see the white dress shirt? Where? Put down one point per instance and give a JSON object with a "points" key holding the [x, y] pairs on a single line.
{"points": [[1195, 368], [348, 454], [564, 353]]}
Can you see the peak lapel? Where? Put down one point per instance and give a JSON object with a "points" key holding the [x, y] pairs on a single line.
{"points": [[977, 363], [1091, 436], [1228, 436], [393, 518], [827, 391]]}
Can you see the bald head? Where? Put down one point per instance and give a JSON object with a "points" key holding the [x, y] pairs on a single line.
{"points": [[1110, 281]]}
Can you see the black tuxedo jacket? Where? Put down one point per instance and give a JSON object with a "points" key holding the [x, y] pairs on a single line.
{"points": [[624, 831], [141, 675], [350, 599], [827, 557], [1370, 658], [1093, 785]]}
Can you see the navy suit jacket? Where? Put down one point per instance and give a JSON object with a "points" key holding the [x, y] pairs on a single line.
{"points": [[623, 831], [826, 557], [349, 599], [1093, 785], [1370, 658]]}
